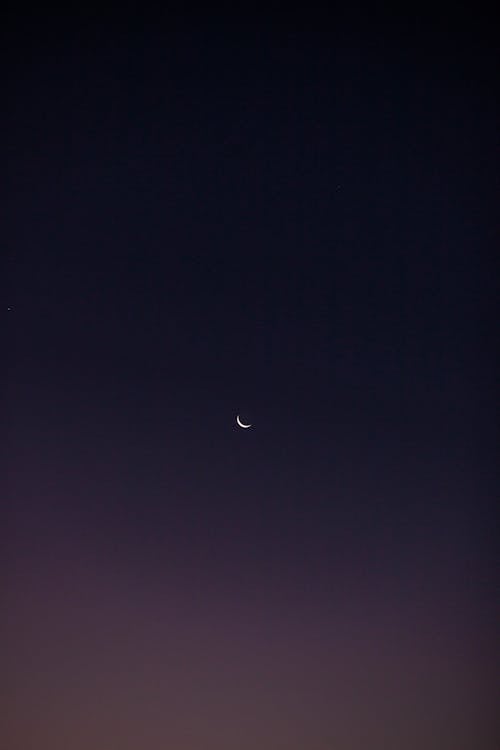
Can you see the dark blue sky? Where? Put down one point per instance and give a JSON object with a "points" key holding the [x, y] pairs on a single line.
{"points": [[295, 226]]}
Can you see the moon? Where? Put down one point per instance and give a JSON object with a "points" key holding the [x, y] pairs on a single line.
{"points": [[240, 423]]}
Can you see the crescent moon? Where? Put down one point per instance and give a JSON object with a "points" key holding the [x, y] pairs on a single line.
{"points": [[240, 423]]}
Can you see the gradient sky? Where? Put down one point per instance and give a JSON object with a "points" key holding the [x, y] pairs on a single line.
{"points": [[289, 225]]}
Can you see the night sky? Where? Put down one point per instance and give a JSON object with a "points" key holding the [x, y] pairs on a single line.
{"points": [[290, 224]]}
